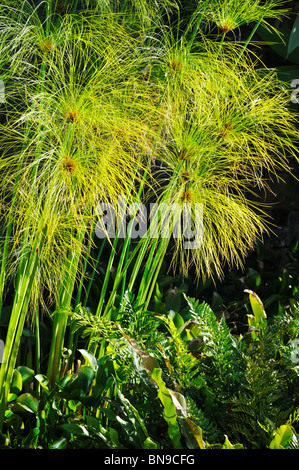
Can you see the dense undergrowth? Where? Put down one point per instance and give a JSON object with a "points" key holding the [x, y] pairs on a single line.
{"points": [[126, 336]]}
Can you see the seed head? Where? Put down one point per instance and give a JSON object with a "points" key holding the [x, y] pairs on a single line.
{"points": [[175, 65], [227, 128], [226, 27], [60, 6], [188, 196], [46, 46], [72, 115], [68, 164]]}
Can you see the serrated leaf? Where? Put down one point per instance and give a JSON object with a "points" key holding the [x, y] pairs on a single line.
{"points": [[148, 361]]}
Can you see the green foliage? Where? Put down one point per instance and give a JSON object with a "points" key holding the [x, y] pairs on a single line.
{"points": [[229, 393], [111, 341]]}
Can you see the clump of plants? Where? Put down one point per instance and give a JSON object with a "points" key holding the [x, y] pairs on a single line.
{"points": [[120, 105]]}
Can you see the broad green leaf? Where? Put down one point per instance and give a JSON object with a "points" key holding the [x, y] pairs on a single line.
{"points": [[128, 429], [76, 429], [44, 382], [92, 361], [279, 42], [72, 405], [62, 383], [149, 443], [12, 397], [33, 433], [134, 417], [170, 412], [92, 423], [256, 305], [282, 438], [59, 444], [258, 320], [17, 383], [108, 413], [97, 431], [177, 319], [113, 434], [227, 445], [173, 300], [294, 37], [159, 294], [197, 433], [159, 305], [104, 375], [85, 377], [28, 402], [26, 373]]}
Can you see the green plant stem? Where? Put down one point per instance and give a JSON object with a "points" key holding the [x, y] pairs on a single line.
{"points": [[37, 339], [63, 308], [91, 279], [83, 273], [17, 320], [197, 24], [248, 41], [107, 277], [5, 251], [149, 281], [221, 44]]}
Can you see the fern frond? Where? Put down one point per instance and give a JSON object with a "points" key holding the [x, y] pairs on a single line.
{"points": [[210, 430], [97, 328]]}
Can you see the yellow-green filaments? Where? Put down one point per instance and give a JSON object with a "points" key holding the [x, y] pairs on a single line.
{"points": [[228, 130], [82, 137], [231, 14]]}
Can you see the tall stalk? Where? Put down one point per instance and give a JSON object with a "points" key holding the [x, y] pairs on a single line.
{"points": [[18, 316], [63, 308]]}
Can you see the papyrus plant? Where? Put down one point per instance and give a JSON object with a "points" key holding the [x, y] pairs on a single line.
{"points": [[229, 131], [97, 111], [78, 139]]}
